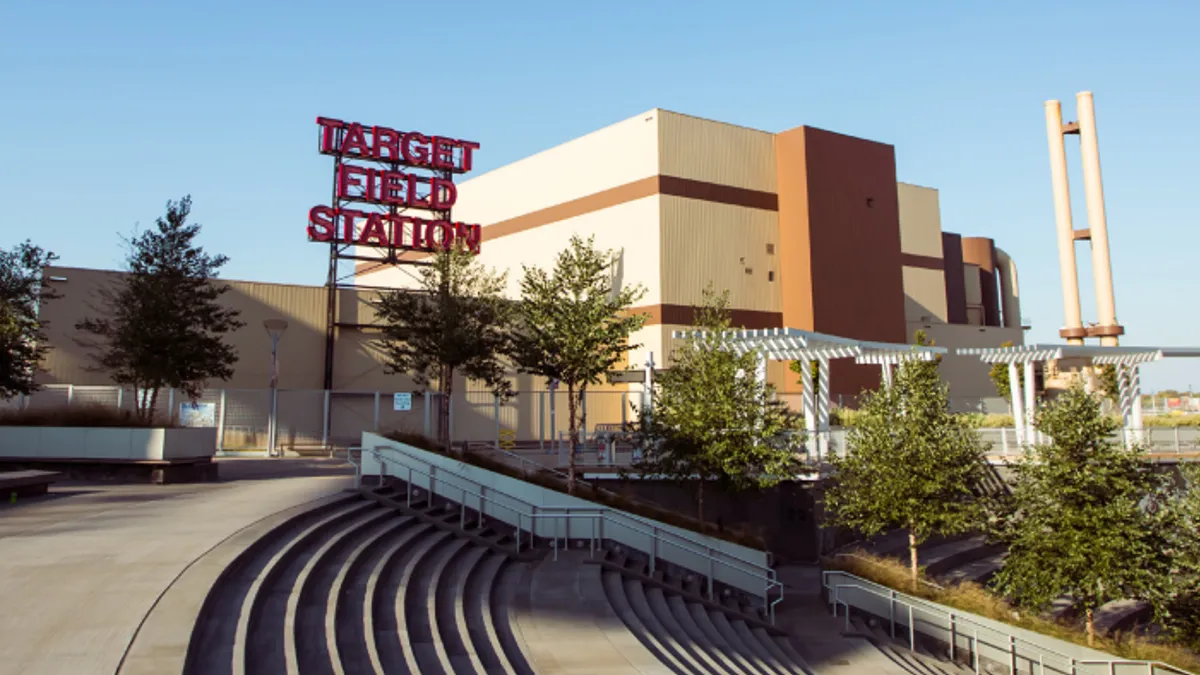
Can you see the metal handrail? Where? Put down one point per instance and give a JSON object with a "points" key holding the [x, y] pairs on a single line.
{"points": [[613, 513], [600, 515], [953, 620]]}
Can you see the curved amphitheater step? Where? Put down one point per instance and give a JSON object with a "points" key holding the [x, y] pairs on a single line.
{"points": [[923, 660], [681, 630], [353, 586]]}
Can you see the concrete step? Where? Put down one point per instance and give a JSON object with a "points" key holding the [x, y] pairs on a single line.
{"points": [[729, 650], [714, 659], [510, 598], [345, 636], [261, 650], [211, 646], [305, 643], [614, 591], [451, 613], [484, 641], [759, 663], [391, 653], [420, 604], [638, 600]]}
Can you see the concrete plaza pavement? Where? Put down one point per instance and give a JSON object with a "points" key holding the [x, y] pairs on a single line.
{"points": [[81, 568]]}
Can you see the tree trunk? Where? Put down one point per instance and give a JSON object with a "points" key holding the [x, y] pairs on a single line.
{"points": [[149, 412], [1091, 627], [573, 430], [700, 499], [447, 396], [912, 558]]}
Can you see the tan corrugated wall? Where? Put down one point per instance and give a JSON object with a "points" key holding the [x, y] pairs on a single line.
{"points": [[725, 245], [715, 152]]}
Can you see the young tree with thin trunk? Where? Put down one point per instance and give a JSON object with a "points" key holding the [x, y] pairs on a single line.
{"points": [[910, 463], [1079, 527], [574, 325], [162, 324], [713, 421], [456, 322], [1176, 595], [22, 331]]}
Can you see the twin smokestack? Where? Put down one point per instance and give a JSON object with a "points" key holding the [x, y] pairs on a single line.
{"points": [[1097, 232]]}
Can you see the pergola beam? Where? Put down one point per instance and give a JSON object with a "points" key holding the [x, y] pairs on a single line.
{"points": [[1127, 361], [791, 344]]}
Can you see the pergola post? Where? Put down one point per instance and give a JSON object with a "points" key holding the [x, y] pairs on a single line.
{"points": [[1030, 404], [823, 402], [1125, 401], [1135, 387], [1018, 408], [809, 401]]}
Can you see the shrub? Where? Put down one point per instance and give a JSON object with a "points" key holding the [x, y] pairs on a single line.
{"points": [[1175, 419], [588, 491], [88, 415], [973, 598]]}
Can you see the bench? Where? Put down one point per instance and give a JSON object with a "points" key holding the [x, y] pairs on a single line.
{"points": [[27, 483]]}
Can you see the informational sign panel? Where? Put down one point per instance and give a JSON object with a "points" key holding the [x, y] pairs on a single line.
{"points": [[402, 401], [198, 414], [626, 376]]}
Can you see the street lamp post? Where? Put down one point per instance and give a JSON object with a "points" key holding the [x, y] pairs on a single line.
{"points": [[275, 328]]}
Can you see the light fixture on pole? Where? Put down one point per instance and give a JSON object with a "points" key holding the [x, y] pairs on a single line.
{"points": [[275, 328]]}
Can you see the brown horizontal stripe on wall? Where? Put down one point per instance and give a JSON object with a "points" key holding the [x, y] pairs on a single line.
{"points": [[638, 189], [685, 315], [721, 194], [924, 261]]}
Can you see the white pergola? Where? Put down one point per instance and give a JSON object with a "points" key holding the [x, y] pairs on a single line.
{"points": [[1126, 359], [793, 344]]}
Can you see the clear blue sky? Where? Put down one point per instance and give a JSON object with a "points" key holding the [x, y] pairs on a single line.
{"points": [[110, 109]]}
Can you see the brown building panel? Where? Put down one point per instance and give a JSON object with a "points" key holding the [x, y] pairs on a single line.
{"points": [[981, 251], [854, 246], [956, 291], [795, 255]]}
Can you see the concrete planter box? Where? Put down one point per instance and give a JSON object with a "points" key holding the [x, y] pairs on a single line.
{"points": [[106, 444]]}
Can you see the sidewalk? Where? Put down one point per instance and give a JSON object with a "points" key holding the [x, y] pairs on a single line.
{"points": [[81, 568]]}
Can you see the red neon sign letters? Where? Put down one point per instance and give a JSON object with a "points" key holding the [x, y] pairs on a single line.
{"points": [[394, 185]]}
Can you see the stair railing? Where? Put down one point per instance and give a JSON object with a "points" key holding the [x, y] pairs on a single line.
{"points": [[600, 517], [1038, 659]]}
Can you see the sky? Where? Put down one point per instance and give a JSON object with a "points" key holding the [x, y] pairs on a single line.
{"points": [[113, 108]]}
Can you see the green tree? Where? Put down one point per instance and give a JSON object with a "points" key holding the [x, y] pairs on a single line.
{"points": [[712, 420], [22, 331], [999, 376], [1106, 382], [574, 325], [911, 463], [1077, 526], [797, 367], [1176, 595], [457, 322], [162, 324]]}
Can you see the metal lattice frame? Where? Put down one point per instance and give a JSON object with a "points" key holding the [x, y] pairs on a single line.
{"points": [[792, 344], [1126, 360]]}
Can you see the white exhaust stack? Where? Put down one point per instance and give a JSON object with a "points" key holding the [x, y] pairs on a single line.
{"points": [[1093, 187], [1073, 329]]}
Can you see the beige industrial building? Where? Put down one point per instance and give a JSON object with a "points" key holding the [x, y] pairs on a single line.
{"points": [[807, 229]]}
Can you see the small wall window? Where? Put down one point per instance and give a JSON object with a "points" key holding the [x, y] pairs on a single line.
{"points": [[771, 275], [770, 249]]}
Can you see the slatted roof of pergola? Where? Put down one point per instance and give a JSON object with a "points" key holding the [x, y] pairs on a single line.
{"points": [[793, 344], [1123, 356]]}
